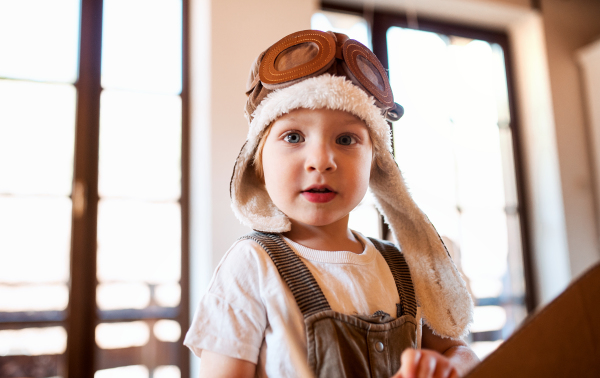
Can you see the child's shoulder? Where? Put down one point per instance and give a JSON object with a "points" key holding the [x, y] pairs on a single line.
{"points": [[244, 249], [244, 263], [245, 256]]}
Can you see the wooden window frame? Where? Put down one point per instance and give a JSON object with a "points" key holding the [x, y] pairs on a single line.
{"points": [[82, 316], [381, 20]]}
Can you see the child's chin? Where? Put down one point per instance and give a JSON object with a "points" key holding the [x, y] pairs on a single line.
{"points": [[320, 220]]}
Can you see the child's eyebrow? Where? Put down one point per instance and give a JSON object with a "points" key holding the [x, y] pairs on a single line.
{"points": [[355, 121], [289, 119]]}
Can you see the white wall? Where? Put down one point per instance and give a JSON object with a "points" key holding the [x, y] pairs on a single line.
{"points": [[547, 228], [226, 37], [589, 60], [569, 26]]}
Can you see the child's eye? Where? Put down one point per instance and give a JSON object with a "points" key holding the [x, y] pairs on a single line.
{"points": [[294, 138], [346, 140]]}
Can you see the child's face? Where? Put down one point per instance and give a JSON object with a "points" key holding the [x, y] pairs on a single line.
{"points": [[317, 164]]}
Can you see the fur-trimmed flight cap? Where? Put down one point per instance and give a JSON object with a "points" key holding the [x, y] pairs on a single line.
{"points": [[446, 304]]}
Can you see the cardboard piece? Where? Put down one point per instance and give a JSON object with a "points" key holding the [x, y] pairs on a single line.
{"points": [[561, 340]]}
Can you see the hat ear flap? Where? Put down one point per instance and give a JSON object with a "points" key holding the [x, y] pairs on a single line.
{"points": [[441, 292], [250, 200]]}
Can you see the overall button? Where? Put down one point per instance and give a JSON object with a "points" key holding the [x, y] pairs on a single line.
{"points": [[379, 346]]}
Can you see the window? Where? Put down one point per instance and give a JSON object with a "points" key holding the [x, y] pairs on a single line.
{"points": [[455, 147], [93, 188]]}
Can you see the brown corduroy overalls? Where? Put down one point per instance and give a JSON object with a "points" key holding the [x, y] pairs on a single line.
{"points": [[340, 345]]}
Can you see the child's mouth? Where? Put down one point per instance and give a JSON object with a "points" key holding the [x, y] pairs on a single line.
{"points": [[319, 195]]}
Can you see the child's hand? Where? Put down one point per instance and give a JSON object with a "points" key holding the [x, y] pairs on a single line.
{"points": [[425, 363]]}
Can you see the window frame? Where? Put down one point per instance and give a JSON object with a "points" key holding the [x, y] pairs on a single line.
{"points": [[81, 316], [381, 20]]}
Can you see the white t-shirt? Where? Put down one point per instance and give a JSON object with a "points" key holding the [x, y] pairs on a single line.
{"points": [[250, 313]]}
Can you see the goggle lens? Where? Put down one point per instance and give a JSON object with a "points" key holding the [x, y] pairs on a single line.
{"points": [[283, 62], [365, 68], [295, 56], [370, 72]]}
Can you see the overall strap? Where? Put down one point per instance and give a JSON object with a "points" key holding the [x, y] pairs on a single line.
{"points": [[294, 272], [399, 267]]}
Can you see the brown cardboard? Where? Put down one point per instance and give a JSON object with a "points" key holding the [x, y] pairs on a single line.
{"points": [[561, 340]]}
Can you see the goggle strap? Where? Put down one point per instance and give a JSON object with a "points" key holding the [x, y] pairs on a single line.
{"points": [[340, 39], [338, 52], [254, 84]]}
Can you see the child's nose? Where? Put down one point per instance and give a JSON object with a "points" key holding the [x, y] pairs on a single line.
{"points": [[320, 158]]}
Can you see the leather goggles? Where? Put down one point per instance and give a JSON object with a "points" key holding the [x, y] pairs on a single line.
{"points": [[311, 53]]}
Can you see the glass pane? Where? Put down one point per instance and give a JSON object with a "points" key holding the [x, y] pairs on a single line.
{"points": [[150, 345], [488, 318], [472, 65], [167, 330], [169, 371], [135, 371], [122, 335], [353, 26], [483, 348], [122, 295], [508, 165], [140, 146], [33, 352], [39, 40], [365, 218], [139, 242], [35, 237], [515, 285], [484, 246], [478, 165], [37, 131], [501, 85], [167, 295], [417, 92], [33, 341], [142, 45], [33, 298]]}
